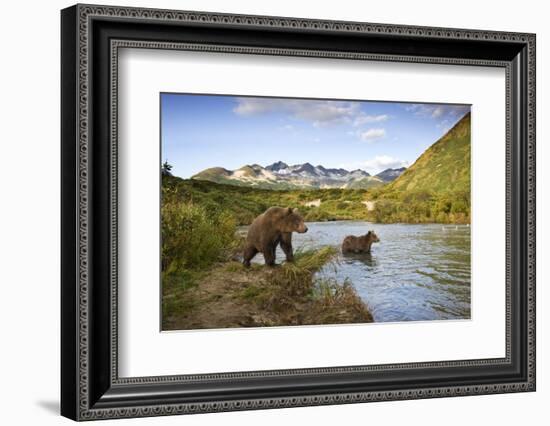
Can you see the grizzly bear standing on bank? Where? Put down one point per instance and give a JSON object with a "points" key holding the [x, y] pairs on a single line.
{"points": [[360, 244], [272, 227]]}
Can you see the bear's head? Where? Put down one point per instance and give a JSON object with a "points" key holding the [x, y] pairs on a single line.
{"points": [[371, 236], [293, 221]]}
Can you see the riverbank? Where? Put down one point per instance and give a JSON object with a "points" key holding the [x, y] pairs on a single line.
{"points": [[229, 296]]}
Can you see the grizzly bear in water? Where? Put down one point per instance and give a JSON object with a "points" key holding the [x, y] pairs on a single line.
{"points": [[272, 227], [360, 244]]}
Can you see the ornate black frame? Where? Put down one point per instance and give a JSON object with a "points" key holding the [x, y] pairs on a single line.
{"points": [[91, 37]]}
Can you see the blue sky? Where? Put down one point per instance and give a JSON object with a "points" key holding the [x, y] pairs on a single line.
{"points": [[202, 131]]}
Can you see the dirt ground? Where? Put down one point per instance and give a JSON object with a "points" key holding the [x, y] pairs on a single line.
{"points": [[231, 296]]}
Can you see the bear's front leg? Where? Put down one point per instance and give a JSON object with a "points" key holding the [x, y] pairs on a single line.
{"points": [[286, 245], [249, 252], [269, 255]]}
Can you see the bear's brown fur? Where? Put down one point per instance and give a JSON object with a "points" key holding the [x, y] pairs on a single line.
{"points": [[362, 244], [272, 227]]}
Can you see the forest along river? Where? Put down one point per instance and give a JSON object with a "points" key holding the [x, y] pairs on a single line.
{"points": [[415, 272]]}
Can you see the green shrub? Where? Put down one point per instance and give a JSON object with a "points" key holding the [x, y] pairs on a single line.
{"points": [[192, 238]]}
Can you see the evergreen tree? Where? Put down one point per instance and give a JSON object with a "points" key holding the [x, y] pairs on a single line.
{"points": [[166, 168]]}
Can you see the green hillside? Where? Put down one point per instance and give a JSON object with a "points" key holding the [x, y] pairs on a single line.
{"points": [[365, 183], [443, 167], [436, 188], [213, 174]]}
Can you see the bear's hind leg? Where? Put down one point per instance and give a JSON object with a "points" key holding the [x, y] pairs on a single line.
{"points": [[249, 253]]}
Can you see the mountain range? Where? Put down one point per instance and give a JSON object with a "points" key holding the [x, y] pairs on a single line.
{"points": [[444, 167], [280, 175]]}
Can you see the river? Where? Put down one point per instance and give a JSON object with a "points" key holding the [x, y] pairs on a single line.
{"points": [[415, 272]]}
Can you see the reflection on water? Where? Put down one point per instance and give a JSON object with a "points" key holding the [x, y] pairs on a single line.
{"points": [[367, 258], [415, 272]]}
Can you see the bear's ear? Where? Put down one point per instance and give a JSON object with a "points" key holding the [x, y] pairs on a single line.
{"points": [[289, 211]]}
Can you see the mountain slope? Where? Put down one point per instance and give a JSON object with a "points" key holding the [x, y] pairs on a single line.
{"points": [[281, 176], [391, 174], [443, 167]]}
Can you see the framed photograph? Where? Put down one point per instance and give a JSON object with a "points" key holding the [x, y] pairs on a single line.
{"points": [[263, 212]]}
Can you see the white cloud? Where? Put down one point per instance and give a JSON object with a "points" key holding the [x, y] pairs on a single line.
{"points": [[319, 113], [371, 134], [252, 106], [366, 119], [443, 114], [326, 113], [444, 125], [438, 110]]}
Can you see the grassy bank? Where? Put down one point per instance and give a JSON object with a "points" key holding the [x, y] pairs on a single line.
{"points": [[229, 295]]}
